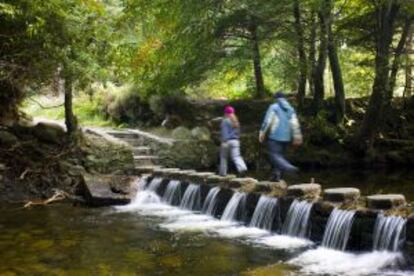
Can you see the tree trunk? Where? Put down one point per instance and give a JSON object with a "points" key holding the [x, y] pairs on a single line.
{"points": [[397, 61], [408, 88], [260, 91], [385, 12], [70, 119], [301, 55], [335, 68], [319, 93], [312, 53]]}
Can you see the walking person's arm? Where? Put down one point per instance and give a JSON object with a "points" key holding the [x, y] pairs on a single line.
{"points": [[269, 123]]}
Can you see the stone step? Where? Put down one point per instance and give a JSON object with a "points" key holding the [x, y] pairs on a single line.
{"points": [[385, 201], [145, 160], [135, 142], [341, 195], [122, 134], [141, 150]]}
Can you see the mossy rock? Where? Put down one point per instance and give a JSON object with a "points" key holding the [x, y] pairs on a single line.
{"points": [[50, 133], [181, 133]]}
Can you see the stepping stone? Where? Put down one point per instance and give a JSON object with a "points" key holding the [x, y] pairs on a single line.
{"points": [[145, 169], [199, 177], [2, 167], [245, 182], [386, 201], [269, 186], [181, 174], [341, 195], [311, 190], [164, 171], [218, 179]]}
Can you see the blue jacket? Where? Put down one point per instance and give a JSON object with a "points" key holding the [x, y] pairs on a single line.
{"points": [[281, 123], [228, 132]]}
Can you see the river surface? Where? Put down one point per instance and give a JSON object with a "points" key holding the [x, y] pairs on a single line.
{"points": [[156, 239]]}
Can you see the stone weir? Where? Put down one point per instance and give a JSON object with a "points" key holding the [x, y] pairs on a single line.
{"points": [[364, 213]]}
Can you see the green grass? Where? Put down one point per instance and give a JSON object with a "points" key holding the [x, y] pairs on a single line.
{"points": [[86, 110]]}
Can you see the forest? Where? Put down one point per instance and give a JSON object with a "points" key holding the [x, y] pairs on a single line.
{"points": [[316, 50]]}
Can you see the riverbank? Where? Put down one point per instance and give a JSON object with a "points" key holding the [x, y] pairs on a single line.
{"points": [[38, 159]]}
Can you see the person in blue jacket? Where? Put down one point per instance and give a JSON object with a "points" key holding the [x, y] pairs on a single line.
{"points": [[230, 144], [281, 127]]}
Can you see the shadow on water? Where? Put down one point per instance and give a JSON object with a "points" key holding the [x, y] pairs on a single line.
{"points": [[62, 240]]}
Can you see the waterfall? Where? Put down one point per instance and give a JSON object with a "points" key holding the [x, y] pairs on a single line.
{"points": [[235, 208], [192, 198], [172, 193], [210, 204], [264, 213], [338, 229], [297, 218], [388, 232], [154, 184]]}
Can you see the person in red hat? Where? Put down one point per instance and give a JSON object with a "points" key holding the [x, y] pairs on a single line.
{"points": [[230, 143]]}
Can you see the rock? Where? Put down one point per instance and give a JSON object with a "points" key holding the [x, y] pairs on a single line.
{"points": [[341, 195], [386, 201], [218, 179], [138, 170], [201, 134], [311, 190], [199, 177], [2, 167], [275, 188], [181, 174], [104, 190], [162, 171], [181, 133], [247, 183], [7, 139], [49, 132]]}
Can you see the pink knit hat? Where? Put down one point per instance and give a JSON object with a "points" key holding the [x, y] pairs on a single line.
{"points": [[229, 110]]}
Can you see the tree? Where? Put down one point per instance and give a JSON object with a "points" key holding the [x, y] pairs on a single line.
{"points": [[42, 36], [386, 12]]}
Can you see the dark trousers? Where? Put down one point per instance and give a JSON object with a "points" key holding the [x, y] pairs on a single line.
{"points": [[278, 161]]}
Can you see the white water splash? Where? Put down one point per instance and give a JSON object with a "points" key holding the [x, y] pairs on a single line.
{"points": [[240, 232], [324, 261], [283, 242]]}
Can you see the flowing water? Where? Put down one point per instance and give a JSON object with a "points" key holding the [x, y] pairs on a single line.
{"points": [[388, 232], [297, 219], [172, 194], [191, 198], [235, 207], [264, 213], [338, 228], [210, 204], [151, 237]]}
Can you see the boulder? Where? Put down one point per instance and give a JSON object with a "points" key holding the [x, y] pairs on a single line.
{"points": [[311, 190], [201, 134], [181, 133], [385, 201], [50, 133], [341, 195], [104, 190]]}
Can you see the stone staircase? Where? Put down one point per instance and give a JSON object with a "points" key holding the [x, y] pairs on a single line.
{"points": [[145, 161]]}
